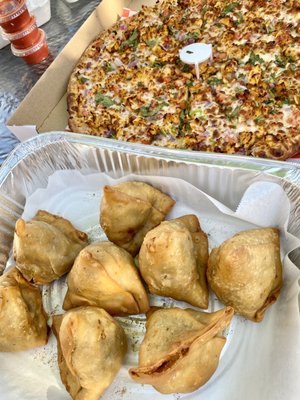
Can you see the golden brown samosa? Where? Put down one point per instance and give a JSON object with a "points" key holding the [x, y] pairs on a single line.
{"points": [[23, 322], [129, 210], [181, 349], [245, 272], [104, 275], [173, 260], [91, 347], [46, 246]]}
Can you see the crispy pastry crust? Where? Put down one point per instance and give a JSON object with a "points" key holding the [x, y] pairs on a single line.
{"points": [[46, 246], [245, 272], [104, 275], [23, 322], [91, 346], [129, 210], [181, 349], [173, 260]]}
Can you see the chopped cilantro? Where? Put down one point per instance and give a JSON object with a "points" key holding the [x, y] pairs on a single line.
{"points": [[104, 100], [157, 64], [270, 29], [150, 112], [192, 35], [83, 79], [198, 113], [293, 67], [279, 62], [188, 126], [186, 68], [204, 9], [109, 68], [286, 101], [189, 83], [226, 10], [240, 19], [254, 59], [132, 41], [151, 43], [181, 116], [260, 119], [171, 30], [214, 81], [233, 114]]}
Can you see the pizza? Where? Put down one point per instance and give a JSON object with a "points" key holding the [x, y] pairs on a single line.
{"points": [[131, 85]]}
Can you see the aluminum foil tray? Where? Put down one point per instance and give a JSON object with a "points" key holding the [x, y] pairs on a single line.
{"points": [[224, 177], [31, 167]]}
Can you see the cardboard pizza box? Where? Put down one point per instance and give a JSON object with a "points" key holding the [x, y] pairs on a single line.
{"points": [[44, 109]]}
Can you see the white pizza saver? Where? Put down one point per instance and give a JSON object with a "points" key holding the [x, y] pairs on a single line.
{"points": [[196, 53]]}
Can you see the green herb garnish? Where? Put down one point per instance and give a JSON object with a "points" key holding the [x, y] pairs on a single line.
{"points": [[254, 59], [214, 81], [198, 113], [186, 68], [157, 64], [104, 100], [286, 101], [192, 35], [151, 43], [233, 114], [171, 30], [279, 62], [109, 68], [260, 119], [226, 10], [189, 83], [270, 29], [83, 79], [181, 116], [150, 112], [132, 41]]}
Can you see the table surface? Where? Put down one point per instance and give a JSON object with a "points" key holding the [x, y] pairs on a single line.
{"points": [[17, 78]]}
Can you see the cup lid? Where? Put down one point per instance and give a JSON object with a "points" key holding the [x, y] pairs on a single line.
{"points": [[24, 32], [30, 50], [11, 9]]}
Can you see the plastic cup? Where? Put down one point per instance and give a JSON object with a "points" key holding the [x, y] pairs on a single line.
{"points": [[34, 54], [26, 37], [14, 15]]}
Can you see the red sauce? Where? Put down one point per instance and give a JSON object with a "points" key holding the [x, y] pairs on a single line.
{"points": [[34, 54], [25, 38], [16, 20], [38, 55], [27, 41]]}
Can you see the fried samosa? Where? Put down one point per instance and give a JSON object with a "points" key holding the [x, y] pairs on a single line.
{"points": [[181, 349], [104, 275], [46, 246], [129, 210], [173, 260], [245, 272], [23, 322], [91, 347]]}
